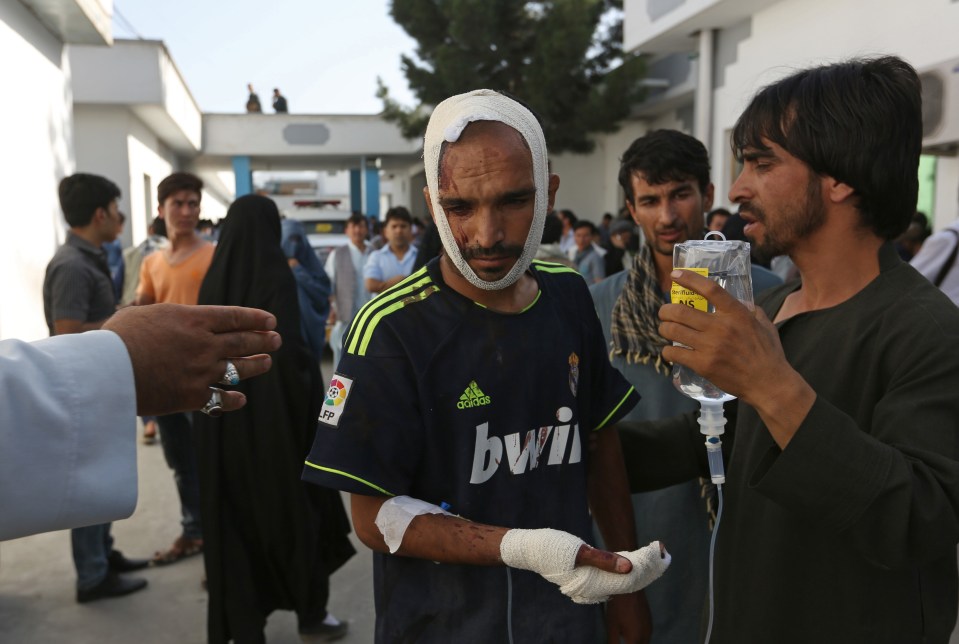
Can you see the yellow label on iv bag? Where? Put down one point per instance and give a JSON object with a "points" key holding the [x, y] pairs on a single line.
{"points": [[682, 295]]}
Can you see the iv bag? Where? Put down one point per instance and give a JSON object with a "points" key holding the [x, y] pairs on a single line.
{"points": [[727, 263]]}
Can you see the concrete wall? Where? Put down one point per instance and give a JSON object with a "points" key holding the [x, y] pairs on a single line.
{"points": [[793, 34], [588, 183], [760, 41], [300, 135], [37, 133], [111, 141]]}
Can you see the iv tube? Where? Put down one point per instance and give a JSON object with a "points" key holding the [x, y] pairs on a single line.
{"points": [[712, 423], [727, 263]]}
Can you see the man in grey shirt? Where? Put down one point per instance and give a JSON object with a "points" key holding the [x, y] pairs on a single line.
{"points": [[78, 296]]}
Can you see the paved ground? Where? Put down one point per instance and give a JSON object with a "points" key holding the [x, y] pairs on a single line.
{"points": [[37, 592]]}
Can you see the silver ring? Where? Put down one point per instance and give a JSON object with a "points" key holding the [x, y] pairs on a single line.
{"points": [[231, 376], [214, 406]]}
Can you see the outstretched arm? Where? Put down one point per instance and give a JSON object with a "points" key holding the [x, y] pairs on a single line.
{"points": [[451, 539]]}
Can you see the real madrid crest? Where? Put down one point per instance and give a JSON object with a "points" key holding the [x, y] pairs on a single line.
{"points": [[573, 372]]}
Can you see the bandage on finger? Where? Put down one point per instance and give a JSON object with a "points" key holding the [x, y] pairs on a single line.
{"points": [[589, 585]]}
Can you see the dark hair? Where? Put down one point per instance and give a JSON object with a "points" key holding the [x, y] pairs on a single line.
{"points": [[918, 229], [717, 211], [662, 156], [358, 218], [552, 229], [582, 223], [176, 182], [569, 216], [859, 122], [158, 226], [398, 212], [81, 194]]}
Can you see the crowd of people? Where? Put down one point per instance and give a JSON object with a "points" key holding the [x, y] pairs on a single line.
{"points": [[502, 413], [268, 541]]}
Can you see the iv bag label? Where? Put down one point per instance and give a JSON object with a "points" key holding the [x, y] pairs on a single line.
{"points": [[682, 295]]}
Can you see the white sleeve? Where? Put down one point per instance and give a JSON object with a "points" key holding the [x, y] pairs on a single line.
{"points": [[330, 268], [933, 254], [67, 433]]}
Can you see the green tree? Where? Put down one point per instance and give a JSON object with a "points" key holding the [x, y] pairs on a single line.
{"points": [[564, 58]]}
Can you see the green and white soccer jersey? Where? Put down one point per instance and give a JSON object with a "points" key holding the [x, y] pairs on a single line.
{"points": [[446, 401]]}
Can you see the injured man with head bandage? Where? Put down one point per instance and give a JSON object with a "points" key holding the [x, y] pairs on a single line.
{"points": [[472, 414]]}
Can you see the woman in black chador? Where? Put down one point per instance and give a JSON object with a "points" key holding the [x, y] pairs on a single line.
{"points": [[270, 540]]}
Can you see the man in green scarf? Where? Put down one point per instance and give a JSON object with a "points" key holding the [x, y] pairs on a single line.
{"points": [[665, 177]]}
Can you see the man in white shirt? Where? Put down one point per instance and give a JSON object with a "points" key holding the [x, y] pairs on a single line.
{"points": [[344, 266]]}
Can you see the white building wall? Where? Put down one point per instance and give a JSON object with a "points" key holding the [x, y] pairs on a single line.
{"points": [[794, 34], [111, 141], [101, 146], [179, 104], [588, 183], [36, 130], [149, 162], [212, 206]]}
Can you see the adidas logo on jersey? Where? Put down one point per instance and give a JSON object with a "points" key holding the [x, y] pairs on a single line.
{"points": [[472, 397], [526, 450]]}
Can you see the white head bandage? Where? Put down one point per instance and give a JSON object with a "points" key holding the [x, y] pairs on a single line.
{"points": [[447, 123]]}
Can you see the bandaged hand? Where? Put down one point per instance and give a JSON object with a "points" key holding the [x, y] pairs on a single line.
{"points": [[552, 554]]}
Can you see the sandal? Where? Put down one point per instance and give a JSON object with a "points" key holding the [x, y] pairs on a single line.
{"points": [[182, 548], [150, 432]]}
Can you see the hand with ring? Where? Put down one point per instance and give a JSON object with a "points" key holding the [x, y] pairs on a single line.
{"points": [[177, 351]]}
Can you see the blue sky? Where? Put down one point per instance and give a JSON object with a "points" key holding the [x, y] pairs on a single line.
{"points": [[323, 55]]}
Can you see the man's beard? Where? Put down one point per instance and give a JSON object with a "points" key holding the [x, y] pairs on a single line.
{"points": [[792, 223]]}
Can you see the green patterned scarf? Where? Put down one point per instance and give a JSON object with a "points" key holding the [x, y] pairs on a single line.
{"points": [[634, 325]]}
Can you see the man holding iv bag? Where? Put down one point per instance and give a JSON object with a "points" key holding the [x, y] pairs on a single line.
{"points": [[842, 489]]}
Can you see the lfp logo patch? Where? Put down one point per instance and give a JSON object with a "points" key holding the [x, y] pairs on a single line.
{"points": [[335, 402]]}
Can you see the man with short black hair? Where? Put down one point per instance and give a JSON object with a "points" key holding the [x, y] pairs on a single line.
{"points": [[393, 263], [173, 275], [665, 177], [279, 102], [622, 246], [717, 218], [588, 261], [78, 296], [842, 487]]}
